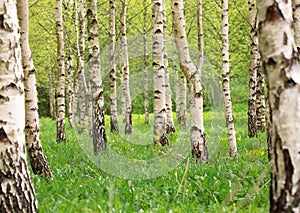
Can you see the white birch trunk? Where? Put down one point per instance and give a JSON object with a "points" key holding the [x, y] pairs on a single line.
{"points": [[252, 119], [52, 101], [125, 69], [170, 128], [70, 90], [226, 81], [199, 146], [145, 64], [160, 117], [296, 24], [260, 98], [280, 59], [16, 191], [98, 122], [37, 158], [182, 101], [113, 82], [61, 132]]}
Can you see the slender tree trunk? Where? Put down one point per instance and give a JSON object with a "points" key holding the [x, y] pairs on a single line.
{"points": [[200, 37], [182, 101], [160, 117], [125, 69], [75, 99], [145, 64], [226, 81], [113, 82], [16, 191], [296, 24], [252, 130], [280, 59], [61, 132], [70, 90], [52, 101], [199, 146], [170, 123], [98, 124], [37, 158], [82, 87], [177, 83], [260, 98]]}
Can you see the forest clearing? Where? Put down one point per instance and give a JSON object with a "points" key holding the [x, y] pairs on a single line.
{"points": [[149, 106]]}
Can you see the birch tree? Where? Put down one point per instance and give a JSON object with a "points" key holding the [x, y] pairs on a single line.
{"points": [[280, 58], [160, 117], [61, 132], [193, 76], [16, 191], [70, 90], [260, 98], [98, 122], [125, 70], [170, 123], [226, 81], [252, 130], [145, 63], [113, 82], [37, 158], [52, 101]]}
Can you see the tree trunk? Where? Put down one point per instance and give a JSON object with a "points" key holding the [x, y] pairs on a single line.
{"points": [[160, 117], [113, 82], [296, 24], [252, 131], [125, 69], [177, 83], [200, 37], [226, 81], [70, 90], [199, 146], [98, 122], [81, 82], [182, 101], [16, 191], [280, 59], [61, 132], [170, 123], [52, 101], [260, 98], [145, 64], [37, 158]]}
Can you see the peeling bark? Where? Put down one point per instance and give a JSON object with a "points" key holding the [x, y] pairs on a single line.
{"points": [[226, 81], [252, 119], [280, 59], [192, 74], [16, 189], [37, 158], [113, 82], [61, 132], [160, 117], [98, 122]]}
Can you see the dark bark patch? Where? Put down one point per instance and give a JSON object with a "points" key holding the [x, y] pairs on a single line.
{"points": [[285, 39], [3, 99], [3, 134], [289, 170], [274, 13], [271, 62], [2, 22]]}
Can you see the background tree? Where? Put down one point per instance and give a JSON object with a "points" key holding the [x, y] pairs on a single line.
{"points": [[16, 191], [125, 70], [37, 158], [170, 123], [226, 81], [252, 130], [199, 146], [145, 63], [113, 82], [61, 132], [280, 58]]}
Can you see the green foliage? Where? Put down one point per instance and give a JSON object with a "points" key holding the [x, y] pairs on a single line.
{"points": [[222, 185]]}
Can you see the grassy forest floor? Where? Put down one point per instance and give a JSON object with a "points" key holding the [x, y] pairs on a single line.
{"points": [[222, 185]]}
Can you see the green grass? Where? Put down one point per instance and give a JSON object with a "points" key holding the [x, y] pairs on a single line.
{"points": [[222, 185]]}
